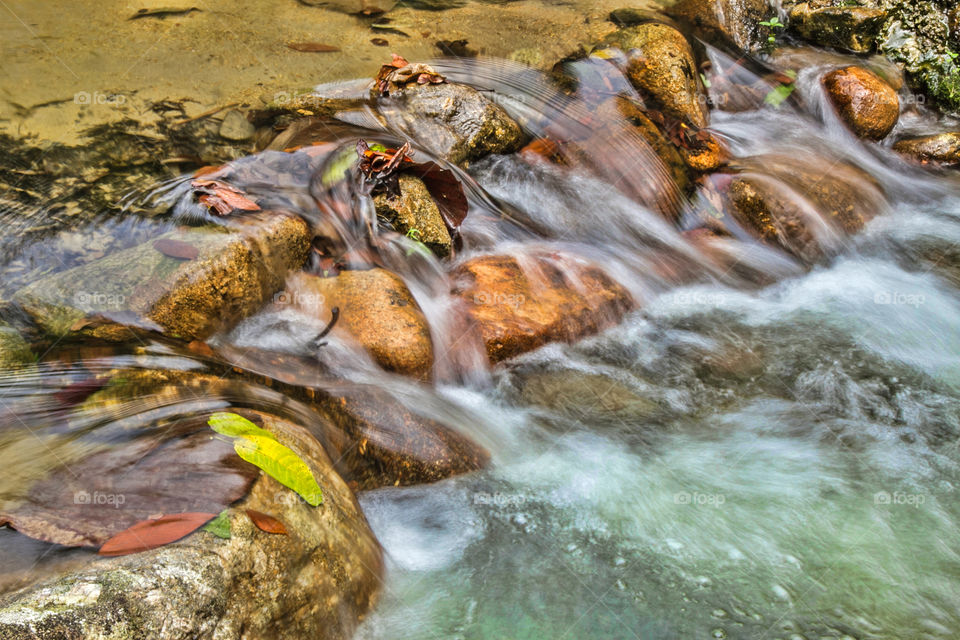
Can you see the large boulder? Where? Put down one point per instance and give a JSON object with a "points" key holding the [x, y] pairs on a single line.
{"points": [[378, 311], [941, 148], [868, 105], [188, 283], [415, 212], [737, 21], [660, 64], [453, 121], [519, 305], [845, 27], [315, 582]]}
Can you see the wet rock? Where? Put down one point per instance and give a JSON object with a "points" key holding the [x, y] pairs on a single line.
{"points": [[661, 65], [852, 28], [621, 107], [592, 397], [453, 121], [14, 350], [793, 203], [416, 210], [316, 582], [735, 20], [704, 153], [941, 148], [865, 102], [157, 285], [521, 304], [236, 127], [376, 308], [381, 443]]}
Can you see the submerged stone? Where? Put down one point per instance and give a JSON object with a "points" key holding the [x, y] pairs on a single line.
{"points": [[316, 582], [188, 283]]}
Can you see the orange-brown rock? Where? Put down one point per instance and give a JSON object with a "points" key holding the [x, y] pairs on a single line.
{"points": [[941, 148], [868, 105], [376, 308], [519, 305]]}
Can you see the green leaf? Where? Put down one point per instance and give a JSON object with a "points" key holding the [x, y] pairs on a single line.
{"points": [[338, 167], [220, 526], [235, 426], [778, 95], [281, 464]]}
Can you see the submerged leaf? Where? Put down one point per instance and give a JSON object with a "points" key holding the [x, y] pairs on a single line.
{"points": [[235, 426], [176, 249], [281, 464], [312, 47], [220, 526], [266, 523], [151, 534]]}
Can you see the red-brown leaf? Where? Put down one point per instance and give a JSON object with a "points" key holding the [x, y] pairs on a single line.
{"points": [[151, 534], [446, 191], [267, 523], [312, 47], [176, 249], [222, 198]]}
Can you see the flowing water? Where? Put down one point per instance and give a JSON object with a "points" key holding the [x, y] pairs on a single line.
{"points": [[761, 452]]}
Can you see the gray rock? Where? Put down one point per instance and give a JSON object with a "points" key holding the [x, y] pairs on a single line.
{"points": [[454, 121], [236, 127], [315, 582], [231, 277]]}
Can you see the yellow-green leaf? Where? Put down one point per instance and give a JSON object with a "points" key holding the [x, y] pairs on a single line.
{"points": [[281, 464], [235, 426]]}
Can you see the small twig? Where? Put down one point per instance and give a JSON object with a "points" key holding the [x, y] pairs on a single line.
{"points": [[205, 114]]}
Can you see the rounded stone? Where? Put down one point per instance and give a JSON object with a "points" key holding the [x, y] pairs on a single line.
{"points": [[868, 105]]}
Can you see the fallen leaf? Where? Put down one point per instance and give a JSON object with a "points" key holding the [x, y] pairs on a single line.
{"points": [[267, 523], [220, 526], [235, 426], [380, 42], [222, 198], [446, 191], [312, 47], [162, 12], [176, 249], [151, 534], [281, 464], [201, 348]]}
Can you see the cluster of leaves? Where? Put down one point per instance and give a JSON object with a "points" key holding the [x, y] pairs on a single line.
{"points": [[381, 168], [398, 73]]}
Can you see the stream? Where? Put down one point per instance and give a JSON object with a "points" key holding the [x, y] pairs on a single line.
{"points": [[764, 452]]}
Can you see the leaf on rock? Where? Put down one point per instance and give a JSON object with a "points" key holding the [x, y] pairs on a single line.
{"points": [[281, 464], [266, 523], [312, 47], [398, 73], [151, 534], [221, 198], [446, 191], [220, 526]]}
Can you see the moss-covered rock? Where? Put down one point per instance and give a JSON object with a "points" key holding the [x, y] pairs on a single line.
{"points": [[14, 350], [846, 27], [316, 582], [414, 211], [737, 21], [188, 283]]}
